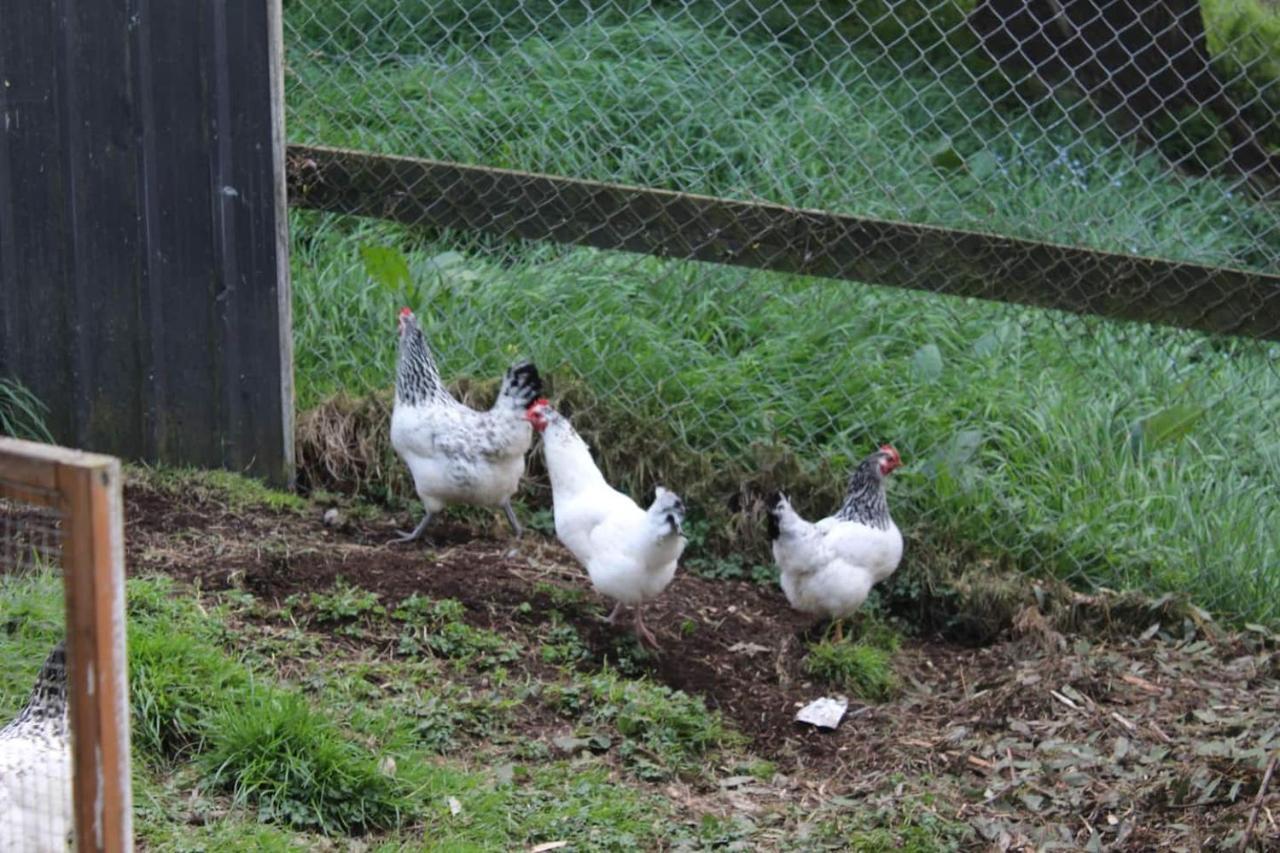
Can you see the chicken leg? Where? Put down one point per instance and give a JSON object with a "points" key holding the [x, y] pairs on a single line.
{"points": [[511, 517], [612, 618], [644, 634], [416, 533]]}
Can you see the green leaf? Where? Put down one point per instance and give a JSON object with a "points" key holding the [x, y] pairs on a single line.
{"points": [[927, 362], [1165, 426], [983, 164], [964, 445], [986, 345], [944, 156], [1173, 423], [387, 266]]}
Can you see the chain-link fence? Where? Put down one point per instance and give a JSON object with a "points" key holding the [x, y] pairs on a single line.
{"points": [[64, 746], [1069, 165]]}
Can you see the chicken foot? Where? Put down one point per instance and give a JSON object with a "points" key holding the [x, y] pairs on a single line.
{"points": [[415, 534], [612, 618], [644, 634], [511, 517]]}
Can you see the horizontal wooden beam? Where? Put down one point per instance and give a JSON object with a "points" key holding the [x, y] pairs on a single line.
{"points": [[767, 236]]}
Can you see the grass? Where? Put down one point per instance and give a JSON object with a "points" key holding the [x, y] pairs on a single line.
{"points": [[863, 670], [666, 99], [227, 757], [225, 488], [295, 767], [861, 664], [22, 415], [1106, 454], [663, 732]]}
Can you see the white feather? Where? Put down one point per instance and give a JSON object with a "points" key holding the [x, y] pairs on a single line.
{"points": [[829, 568], [630, 553], [35, 776]]}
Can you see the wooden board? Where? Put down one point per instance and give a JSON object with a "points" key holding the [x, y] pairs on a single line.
{"points": [[766, 236]]}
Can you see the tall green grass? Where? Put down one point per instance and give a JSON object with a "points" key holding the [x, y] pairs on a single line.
{"points": [[1106, 453], [666, 100]]}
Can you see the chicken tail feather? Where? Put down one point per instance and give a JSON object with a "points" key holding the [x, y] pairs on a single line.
{"points": [[521, 385]]}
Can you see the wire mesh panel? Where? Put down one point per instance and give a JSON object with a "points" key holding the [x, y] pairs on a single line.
{"points": [[1026, 178], [35, 752], [64, 750]]}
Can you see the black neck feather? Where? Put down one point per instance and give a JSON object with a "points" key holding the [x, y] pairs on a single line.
{"points": [[417, 378], [864, 500]]}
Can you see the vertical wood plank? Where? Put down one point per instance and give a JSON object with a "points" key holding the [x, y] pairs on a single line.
{"points": [[102, 168], [93, 576], [180, 267], [34, 227], [280, 181]]}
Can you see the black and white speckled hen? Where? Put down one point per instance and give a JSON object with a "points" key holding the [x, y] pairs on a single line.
{"points": [[456, 454], [829, 567], [35, 766]]}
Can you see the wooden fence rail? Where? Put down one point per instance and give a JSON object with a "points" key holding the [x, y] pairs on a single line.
{"points": [[773, 237]]}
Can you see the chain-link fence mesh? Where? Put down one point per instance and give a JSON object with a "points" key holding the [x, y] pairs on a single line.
{"points": [[1093, 160], [35, 748]]}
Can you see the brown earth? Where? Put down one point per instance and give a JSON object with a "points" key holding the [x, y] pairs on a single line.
{"points": [[1038, 741]]}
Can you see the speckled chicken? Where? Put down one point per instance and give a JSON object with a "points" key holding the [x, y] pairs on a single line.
{"points": [[829, 567], [35, 767], [456, 454], [630, 553]]}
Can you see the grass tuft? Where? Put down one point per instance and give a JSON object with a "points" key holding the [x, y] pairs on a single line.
{"points": [[22, 414], [864, 670], [296, 768]]}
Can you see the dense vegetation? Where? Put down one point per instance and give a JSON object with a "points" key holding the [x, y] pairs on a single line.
{"points": [[1108, 454]]}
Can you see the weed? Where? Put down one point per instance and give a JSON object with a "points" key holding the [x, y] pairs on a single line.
{"points": [[350, 607], [663, 731], [863, 670], [441, 631], [562, 646], [439, 720], [293, 764]]}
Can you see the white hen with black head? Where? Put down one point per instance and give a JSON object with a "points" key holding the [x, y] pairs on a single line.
{"points": [[630, 553], [456, 454], [829, 568], [35, 766]]}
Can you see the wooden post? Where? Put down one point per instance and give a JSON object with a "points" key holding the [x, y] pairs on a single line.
{"points": [[86, 489]]}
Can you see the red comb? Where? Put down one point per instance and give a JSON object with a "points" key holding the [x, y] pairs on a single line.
{"points": [[541, 401], [890, 449], [405, 312]]}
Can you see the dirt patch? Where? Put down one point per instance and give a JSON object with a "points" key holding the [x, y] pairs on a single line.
{"points": [[1037, 740]]}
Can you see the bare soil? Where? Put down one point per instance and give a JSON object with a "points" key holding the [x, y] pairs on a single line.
{"points": [[1038, 740]]}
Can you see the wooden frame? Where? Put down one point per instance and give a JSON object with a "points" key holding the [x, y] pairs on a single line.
{"points": [[86, 489]]}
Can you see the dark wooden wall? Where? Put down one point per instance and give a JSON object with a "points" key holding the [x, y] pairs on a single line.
{"points": [[144, 293]]}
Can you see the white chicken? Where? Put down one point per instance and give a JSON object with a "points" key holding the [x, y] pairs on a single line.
{"points": [[630, 553], [828, 568], [35, 766], [458, 455]]}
